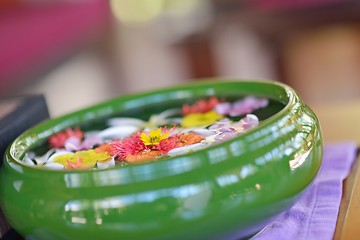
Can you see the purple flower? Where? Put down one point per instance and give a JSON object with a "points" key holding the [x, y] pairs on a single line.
{"points": [[226, 129], [226, 133], [242, 106], [249, 122], [220, 123]]}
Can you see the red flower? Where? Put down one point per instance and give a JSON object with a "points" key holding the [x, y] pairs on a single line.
{"points": [[201, 106], [57, 140], [167, 144], [131, 145], [133, 149]]}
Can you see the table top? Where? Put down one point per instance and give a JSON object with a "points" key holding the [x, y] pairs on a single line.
{"points": [[339, 122]]}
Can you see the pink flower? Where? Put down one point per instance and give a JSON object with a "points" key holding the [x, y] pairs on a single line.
{"points": [[242, 106], [75, 144], [250, 121]]}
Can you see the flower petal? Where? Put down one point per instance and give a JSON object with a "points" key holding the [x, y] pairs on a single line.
{"points": [[28, 161], [203, 132], [72, 144], [221, 123], [118, 132], [249, 122], [226, 135], [54, 166], [186, 149], [124, 121], [58, 153], [43, 159], [223, 108], [106, 164], [247, 105], [169, 112], [90, 142], [200, 119]]}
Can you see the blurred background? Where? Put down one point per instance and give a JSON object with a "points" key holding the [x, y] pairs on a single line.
{"points": [[80, 52]]}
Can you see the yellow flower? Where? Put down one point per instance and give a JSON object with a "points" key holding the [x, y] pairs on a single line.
{"points": [[89, 158], [200, 119], [154, 137]]}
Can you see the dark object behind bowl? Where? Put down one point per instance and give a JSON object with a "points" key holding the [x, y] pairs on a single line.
{"points": [[16, 115]]}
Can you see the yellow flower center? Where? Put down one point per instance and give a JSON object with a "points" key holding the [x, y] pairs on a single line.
{"points": [[154, 137]]}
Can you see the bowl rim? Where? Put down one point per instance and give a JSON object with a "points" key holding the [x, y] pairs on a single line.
{"points": [[26, 140]]}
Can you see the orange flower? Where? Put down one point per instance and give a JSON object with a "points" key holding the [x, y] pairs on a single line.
{"points": [[104, 148], [143, 156], [188, 139]]}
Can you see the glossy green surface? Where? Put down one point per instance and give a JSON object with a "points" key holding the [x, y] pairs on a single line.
{"points": [[230, 190]]}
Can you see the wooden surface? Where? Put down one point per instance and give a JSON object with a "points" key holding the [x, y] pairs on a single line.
{"points": [[341, 122]]}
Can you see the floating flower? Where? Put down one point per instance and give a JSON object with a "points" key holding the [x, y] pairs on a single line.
{"points": [[31, 160], [57, 140], [188, 139], [163, 118], [200, 119], [249, 122], [185, 143], [226, 133], [147, 144], [166, 145], [154, 137], [131, 145], [242, 106], [202, 125], [143, 156], [78, 165], [117, 132], [104, 148], [125, 121], [106, 164], [75, 144], [187, 149], [81, 159], [226, 129], [154, 121], [201, 106]]}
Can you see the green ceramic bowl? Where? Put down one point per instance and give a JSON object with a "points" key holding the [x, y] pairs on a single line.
{"points": [[230, 190]]}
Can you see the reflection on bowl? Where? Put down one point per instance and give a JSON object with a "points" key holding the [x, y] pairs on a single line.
{"points": [[229, 190]]}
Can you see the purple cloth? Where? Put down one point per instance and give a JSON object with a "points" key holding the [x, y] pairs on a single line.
{"points": [[314, 216]]}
